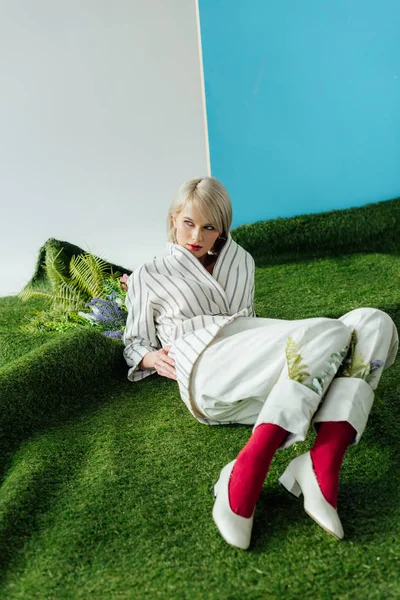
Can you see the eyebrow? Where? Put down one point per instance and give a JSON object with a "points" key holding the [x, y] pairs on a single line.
{"points": [[206, 225]]}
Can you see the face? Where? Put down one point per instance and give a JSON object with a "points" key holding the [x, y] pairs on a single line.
{"points": [[192, 228]]}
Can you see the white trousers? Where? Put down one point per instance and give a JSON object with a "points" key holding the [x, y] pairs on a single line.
{"points": [[293, 373]]}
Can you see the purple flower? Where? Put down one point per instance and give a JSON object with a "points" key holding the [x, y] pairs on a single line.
{"points": [[93, 301], [113, 334], [374, 365], [107, 313]]}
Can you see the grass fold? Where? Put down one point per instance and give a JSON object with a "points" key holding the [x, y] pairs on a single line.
{"points": [[51, 382]]}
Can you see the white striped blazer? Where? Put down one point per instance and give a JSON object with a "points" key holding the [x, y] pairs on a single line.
{"points": [[173, 299]]}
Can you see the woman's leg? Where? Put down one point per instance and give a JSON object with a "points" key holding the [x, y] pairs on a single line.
{"points": [[251, 467], [343, 415], [299, 349], [327, 453], [261, 370], [286, 415]]}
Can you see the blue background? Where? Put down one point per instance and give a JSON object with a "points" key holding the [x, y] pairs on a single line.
{"points": [[303, 100]]}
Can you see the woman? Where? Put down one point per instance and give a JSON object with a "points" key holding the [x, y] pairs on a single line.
{"points": [[191, 318]]}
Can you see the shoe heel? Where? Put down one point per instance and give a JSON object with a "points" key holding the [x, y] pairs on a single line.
{"points": [[216, 489], [289, 482]]}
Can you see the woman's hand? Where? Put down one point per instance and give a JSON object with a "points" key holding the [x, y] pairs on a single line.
{"points": [[161, 362]]}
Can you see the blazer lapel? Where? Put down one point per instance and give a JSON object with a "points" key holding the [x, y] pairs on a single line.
{"points": [[220, 272]]}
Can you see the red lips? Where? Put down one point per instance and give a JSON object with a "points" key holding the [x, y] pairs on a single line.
{"points": [[194, 247]]}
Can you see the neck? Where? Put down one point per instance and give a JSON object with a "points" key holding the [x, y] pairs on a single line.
{"points": [[205, 260]]}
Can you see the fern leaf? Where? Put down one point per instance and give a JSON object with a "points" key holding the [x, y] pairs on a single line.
{"points": [[67, 297], [26, 293], [55, 268], [347, 364], [366, 372], [297, 361], [112, 284], [89, 272], [290, 349], [29, 292], [296, 369], [301, 376], [358, 367]]}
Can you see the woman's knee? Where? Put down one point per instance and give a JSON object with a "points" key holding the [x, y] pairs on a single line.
{"points": [[366, 314], [339, 332], [325, 338], [366, 320]]}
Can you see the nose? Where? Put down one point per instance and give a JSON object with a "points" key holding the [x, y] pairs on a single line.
{"points": [[197, 239]]}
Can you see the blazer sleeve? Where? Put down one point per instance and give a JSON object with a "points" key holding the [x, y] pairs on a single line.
{"points": [[252, 312], [139, 336], [244, 285]]}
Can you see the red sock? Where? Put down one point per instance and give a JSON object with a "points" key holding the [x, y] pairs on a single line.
{"points": [[331, 443], [251, 467]]}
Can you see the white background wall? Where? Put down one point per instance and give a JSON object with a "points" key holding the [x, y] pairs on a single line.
{"points": [[101, 119]]}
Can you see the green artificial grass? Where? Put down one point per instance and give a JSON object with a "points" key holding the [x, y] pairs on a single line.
{"points": [[14, 343], [66, 251], [107, 485], [370, 228]]}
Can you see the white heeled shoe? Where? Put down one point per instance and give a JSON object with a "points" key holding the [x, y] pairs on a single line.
{"points": [[298, 478], [235, 530]]}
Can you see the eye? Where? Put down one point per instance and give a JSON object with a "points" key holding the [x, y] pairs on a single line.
{"points": [[208, 227]]}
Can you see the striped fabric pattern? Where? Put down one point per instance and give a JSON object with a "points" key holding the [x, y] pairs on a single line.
{"points": [[173, 299]]}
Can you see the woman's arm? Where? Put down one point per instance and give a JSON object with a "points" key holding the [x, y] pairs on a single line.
{"points": [[253, 283], [139, 337], [148, 361], [251, 286]]}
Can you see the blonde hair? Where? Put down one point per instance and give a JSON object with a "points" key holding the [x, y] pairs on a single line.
{"points": [[210, 198]]}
